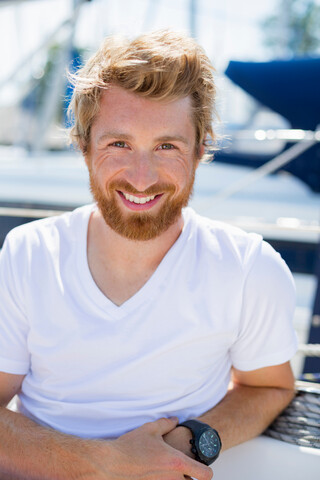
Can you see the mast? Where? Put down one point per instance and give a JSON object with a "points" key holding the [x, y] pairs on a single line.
{"points": [[192, 17], [56, 82]]}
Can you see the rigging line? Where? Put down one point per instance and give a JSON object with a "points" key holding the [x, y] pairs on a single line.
{"points": [[26, 61], [69, 22], [267, 168]]}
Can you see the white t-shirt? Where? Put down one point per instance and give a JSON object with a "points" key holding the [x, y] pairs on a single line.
{"points": [[220, 297]]}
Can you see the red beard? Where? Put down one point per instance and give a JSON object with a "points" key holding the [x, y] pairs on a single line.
{"points": [[140, 225]]}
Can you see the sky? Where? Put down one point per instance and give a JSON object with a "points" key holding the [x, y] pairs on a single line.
{"points": [[228, 29]]}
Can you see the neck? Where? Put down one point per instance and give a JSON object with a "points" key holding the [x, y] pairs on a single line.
{"points": [[119, 253]]}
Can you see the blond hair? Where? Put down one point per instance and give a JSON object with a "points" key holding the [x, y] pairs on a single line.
{"points": [[162, 65]]}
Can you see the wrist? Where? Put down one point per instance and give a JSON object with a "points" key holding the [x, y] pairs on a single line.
{"points": [[179, 438], [206, 442]]}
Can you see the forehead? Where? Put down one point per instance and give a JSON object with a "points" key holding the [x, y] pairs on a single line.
{"points": [[119, 107]]}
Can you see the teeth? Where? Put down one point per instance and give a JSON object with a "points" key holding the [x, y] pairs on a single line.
{"points": [[140, 200]]}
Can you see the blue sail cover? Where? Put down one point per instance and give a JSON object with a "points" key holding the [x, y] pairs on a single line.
{"points": [[289, 87], [292, 89]]}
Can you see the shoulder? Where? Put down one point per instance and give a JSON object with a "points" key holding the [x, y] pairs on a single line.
{"points": [[47, 230], [237, 251], [38, 243], [226, 242]]}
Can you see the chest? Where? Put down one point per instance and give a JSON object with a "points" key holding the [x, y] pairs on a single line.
{"points": [[118, 287], [174, 339]]}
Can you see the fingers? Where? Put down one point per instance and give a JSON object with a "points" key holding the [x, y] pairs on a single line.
{"points": [[195, 469], [162, 425], [180, 462], [188, 467], [172, 459]]}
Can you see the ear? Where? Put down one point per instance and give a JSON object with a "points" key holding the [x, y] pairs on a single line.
{"points": [[86, 153], [200, 154], [202, 150], [87, 159]]}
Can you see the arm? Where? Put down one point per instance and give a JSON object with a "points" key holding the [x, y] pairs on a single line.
{"points": [[29, 451], [264, 331], [253, 401]]}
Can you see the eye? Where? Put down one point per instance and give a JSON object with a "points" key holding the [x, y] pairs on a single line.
{"points": [[166, 146], [119, 144]]}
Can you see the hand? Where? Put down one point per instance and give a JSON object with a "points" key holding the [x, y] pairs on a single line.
{"points": [[143, 453], [179, 438]]}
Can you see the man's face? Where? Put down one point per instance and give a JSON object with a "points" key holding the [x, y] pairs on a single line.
{"points": [[141, 162]]}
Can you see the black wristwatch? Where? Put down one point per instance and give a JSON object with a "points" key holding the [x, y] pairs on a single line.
{"points": [[206, 443]]}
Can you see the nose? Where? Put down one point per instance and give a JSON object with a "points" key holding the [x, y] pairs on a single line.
{"points": [[142, 172]]}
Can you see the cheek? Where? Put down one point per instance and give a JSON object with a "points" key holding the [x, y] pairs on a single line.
{"points": [[107, 166], [179, 171]]}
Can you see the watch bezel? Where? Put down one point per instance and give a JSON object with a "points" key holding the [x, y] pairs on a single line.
{"points": [[207, 460], [197, 429]]}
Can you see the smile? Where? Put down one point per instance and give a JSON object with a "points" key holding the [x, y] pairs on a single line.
{"points": [[140, 203], [139, 200]]}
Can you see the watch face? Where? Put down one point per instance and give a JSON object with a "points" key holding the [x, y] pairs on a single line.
{"points": [[209, 444]]}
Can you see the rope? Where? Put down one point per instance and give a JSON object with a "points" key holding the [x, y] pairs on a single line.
{"points": [[299, 423], [310, 350]]}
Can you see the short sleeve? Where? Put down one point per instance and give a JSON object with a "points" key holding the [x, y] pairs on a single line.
{"points": [[14, 356], [266, 335]]}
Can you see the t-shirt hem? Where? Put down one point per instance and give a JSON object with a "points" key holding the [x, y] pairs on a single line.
{"points": [[269, 360], [16, 368]]}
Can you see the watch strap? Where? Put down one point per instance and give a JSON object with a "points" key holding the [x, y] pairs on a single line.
{"points": [[197, 428], [193, 425]]}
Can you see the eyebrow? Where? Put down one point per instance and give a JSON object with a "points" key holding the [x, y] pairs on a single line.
{"points": [[173, 138], [114, 134], [125, 136]]}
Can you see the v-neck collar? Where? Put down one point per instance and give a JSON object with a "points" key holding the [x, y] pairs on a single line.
{"points": [[146, 292]]}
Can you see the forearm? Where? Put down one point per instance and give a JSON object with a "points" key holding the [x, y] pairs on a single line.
{"points": [[245, 412], [242, 414], [29, 451]]}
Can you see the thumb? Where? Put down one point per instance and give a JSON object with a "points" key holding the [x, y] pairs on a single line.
{"points": [[164, 425]]}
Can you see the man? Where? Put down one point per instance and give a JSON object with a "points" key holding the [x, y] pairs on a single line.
{"points": [[122, 318]]}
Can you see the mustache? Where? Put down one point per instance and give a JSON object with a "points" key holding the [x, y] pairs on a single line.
{"points": [[152, 190]]}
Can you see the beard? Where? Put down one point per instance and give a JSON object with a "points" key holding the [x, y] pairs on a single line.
{"points": [[140, 226]]}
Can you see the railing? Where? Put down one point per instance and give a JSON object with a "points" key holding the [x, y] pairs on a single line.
{"points": [[282, 224]]}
